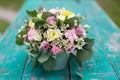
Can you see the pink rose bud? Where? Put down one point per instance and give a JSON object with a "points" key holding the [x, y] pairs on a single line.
{"points": [[51, 20], [54, 11], [56, 50], [31, 33], [72, 47], [44, 45], [80, 31], [70, 34]]}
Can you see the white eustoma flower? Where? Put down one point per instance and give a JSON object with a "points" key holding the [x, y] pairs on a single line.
{"points": [[61, 17], [37, 37]]}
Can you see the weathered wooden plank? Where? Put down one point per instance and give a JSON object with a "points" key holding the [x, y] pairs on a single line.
{"points": [[108, 34], [12, 57], [99, 67], [39, 73]]}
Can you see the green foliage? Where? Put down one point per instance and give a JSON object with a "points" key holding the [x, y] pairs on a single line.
{"points": [[43, 58], [71, 21], [46, 14], [59, 22], [89, 43], [38, 23], [79, 75], [85, 53], [74, 52], [49, 64], [19, 41], [19, 37], [32, 13], [36, 62]]}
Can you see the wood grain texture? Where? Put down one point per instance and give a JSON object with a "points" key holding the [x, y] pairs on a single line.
{"points": [[100, 67], [12, 57], [105, 64]]}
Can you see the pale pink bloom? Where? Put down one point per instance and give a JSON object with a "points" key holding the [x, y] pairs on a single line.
{"points": [[72, 46], [51, 20], [31, 33], [55, 50], [45, 45], [70, 34], [54, 11], [80, 31]]}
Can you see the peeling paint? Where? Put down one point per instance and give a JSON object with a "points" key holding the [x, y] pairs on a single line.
{"points": [[114, 42], [2, 70], [2, 57]]}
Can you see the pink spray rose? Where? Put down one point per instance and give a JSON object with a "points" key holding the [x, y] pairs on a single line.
{"points": [[44, 45], [80, 31], [54, 11], [70, 34], [72, 46], [31, 33], [56, 49], [51, 20]]}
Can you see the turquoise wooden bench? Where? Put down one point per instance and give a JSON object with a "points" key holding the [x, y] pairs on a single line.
{"points": [[105, 64]]}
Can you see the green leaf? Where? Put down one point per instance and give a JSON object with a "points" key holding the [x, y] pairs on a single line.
{"points": [[19, 38], [66, 18], [79, 75], [74, 52], [34, 20], [59, 22], [71, 21], [19, 41], [36, 62], [46, 14], [90, 43], [49, 64], [43, 58], [61, 61], [40, 22], [32, 13], [83, 55]]}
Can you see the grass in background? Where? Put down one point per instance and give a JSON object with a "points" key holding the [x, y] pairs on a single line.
{"points": [[14, 5], [11, 4], [112, 7], [3, 25]]}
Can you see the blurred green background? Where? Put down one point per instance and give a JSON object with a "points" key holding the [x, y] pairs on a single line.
{"points": [[111, 7]]}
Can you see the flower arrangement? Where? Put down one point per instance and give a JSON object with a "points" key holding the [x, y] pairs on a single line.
{"points": [[53, 36]]}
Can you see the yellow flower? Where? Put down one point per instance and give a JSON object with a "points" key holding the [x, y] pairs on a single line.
{"points": [[53, 34], [67, 13], [31, 24]]}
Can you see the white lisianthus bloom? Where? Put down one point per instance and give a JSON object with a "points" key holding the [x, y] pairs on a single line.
{"points": [[61, 17], [39, 15], [37, 37], [53, 34]]}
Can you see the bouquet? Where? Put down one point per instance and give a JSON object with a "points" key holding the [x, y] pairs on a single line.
{"points": [[53, 36]]}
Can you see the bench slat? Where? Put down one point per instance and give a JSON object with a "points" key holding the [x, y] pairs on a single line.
{"points": [[99, 67]]}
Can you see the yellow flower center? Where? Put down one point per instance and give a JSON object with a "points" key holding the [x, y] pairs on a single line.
{"points": [[67, 13], [53, 34]]}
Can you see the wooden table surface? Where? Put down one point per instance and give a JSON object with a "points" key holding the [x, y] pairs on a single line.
{"points": [[105, 64]]}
